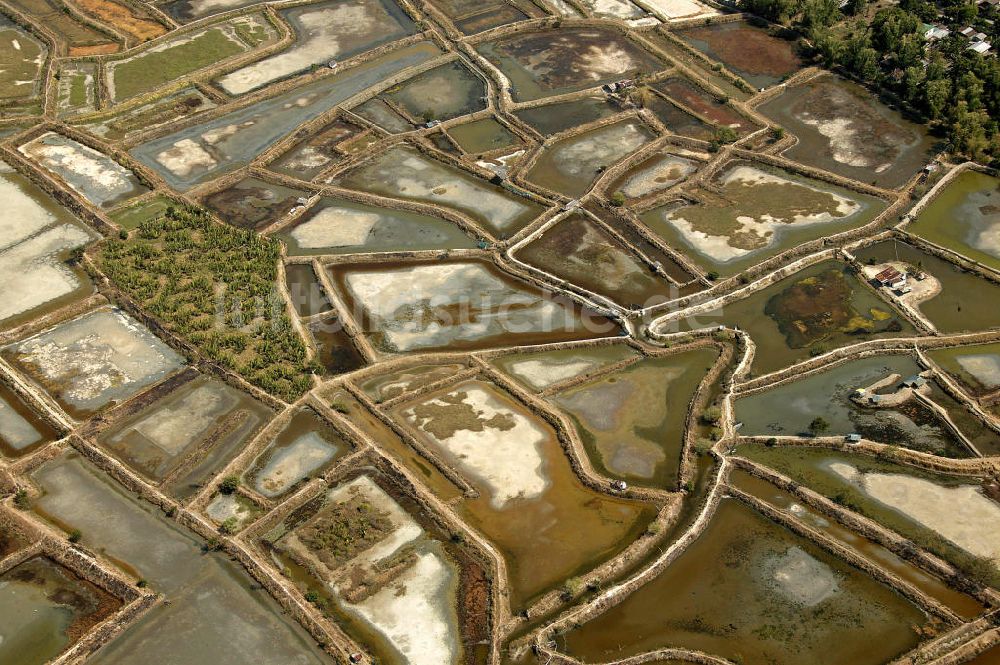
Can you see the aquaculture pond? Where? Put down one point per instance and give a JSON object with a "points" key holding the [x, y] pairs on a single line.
{"points": [[186, 11], [570, 165], [45, 608], [307, 295], [340, 226], [22, 431], [532, 506], [306, 446], [708, 107], [585, 253], [215, 147], [817, 309], [774, 597], [949, 515], [94, 176], [545, 63], [392, 581], [183, 438], [976, 367], [751, 212], [442, 93], [334, 349], [131, 119], [758, 57], [254, 204], [132, 216], [216, 615], [944, 289], [484, 135], [92, 361], [965, 217], [311, 156], [457, 305], [540, 370], [896, 416], [406, 173], [632, 421], [965, 606], [842, 128], [653, 175], [388, 442], [394, 383], [323, 32], [37, 237], [558, 117]]}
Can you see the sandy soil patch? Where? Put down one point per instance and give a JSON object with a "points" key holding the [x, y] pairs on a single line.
{"points": [[674, 9], [961, 514], [544, 373], [335, 226], [174, 428], [497, 445], [664, 173], [433, 305], [93, 175], [293, 463], [621, 9], [323, 33], [800, 578], [99, 357], [920, 291], [985, 368], [32, 273]]}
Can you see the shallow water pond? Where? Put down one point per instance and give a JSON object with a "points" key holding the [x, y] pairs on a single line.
{"points": [[841, 127], [772, 597], [533, 507], [965, 218], [37, 237], [540, 370], [819, 308], [306, 446], [95, 176], [216, 614], [181, 439], [750, 213], [45, 608], [947, 286], [950, 516], [457, 304], [403, 172], [632, 421], [87, 363], [339, 226], [570, 166], [583, 253], [789, 408], [215, 147]]}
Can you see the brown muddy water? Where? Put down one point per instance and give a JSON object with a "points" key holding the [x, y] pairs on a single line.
{"points": [[965, 606], [775, 598], [632, 421], [532, 506]]}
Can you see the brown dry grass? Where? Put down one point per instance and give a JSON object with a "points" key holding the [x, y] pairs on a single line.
{"points": [[97, 49], [123, 18]]}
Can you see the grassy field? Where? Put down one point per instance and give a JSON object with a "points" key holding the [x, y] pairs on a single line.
{"points": [[155, 68], [214, 285]]}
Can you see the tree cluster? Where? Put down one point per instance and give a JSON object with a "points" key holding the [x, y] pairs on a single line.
{"points": [[214, 285]]}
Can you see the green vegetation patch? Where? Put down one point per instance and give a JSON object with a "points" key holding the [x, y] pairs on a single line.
{"points": [[214, 285], [156, 68], [343, 530]]}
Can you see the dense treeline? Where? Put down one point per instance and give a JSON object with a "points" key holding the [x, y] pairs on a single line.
{"points": [[944, 84], [214, 285]]}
